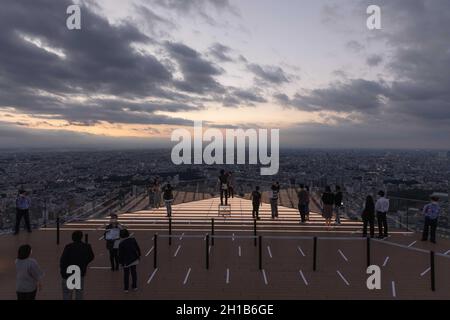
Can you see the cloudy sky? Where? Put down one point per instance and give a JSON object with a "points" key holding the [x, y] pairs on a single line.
{"points": [[140, 68]]}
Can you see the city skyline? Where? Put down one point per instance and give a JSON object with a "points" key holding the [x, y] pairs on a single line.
{"points": [[139, 69]]}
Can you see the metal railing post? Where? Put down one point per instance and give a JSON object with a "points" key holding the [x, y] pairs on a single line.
{"points": [[212, 231], [57, 230], [254, 232], [315, 254], [155, 251], [432, 271], [368, 252], [170, 231], [260, 253], [207, 251]]}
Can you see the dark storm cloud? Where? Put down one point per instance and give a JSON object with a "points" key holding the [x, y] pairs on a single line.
{"points": [[198, 73], [354, 46], [356, 95], [97, 60], [13, 136], [269, 74], [196, 6], [242, 97], [417, 35], [154, 23], [374, 60], [220, 52], [366, 135]]}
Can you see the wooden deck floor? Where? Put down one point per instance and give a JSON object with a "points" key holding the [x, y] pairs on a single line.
{"points": [[234, 272]]}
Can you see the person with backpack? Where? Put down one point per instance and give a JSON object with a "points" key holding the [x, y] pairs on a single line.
{"points": [[28, 274], [23, 204], [338, 203], [78, 254], [327, 206], [368, 216], [129, 256], [168, 198], [274, 194], [256, 202], [431, 212], [223, 183], [303, 203], [112, 237]]}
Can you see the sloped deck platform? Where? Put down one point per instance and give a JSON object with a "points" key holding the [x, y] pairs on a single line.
{"points": [[286, 251]]}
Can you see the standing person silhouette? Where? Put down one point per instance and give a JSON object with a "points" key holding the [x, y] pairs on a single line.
{"points": [[129, 256], [368, 216], [223, 184], [112, 237], [303, 203], [23, 204], [431, 213], [28, 274], [168, 198], [338, 204], [274, 194], [382, 208], [157, 194], [256, 202], [307, 204], [78, 254], [327, 204]]}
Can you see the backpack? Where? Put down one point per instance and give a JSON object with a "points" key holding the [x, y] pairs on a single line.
{"points": [[168, 194]]}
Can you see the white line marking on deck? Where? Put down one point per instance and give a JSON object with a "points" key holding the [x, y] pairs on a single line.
{"points": [[176, 252], [187, 276], [270, 252], [303, 277], [301, 251], [152, 275], [411, 244], [228, 276], [232, 238], [394, 293], [101, 238], [342, 277], [240, 251], [99, 268], [447, 252], [149, 251], [265, 277], [425, 272], [342, 255], [385, 261], [182, 235]]}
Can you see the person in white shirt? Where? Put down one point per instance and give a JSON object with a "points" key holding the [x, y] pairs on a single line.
{"points": [[382, 208]]}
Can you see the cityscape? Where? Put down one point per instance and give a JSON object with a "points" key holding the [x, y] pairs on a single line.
{"points": [[60, 183]]}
